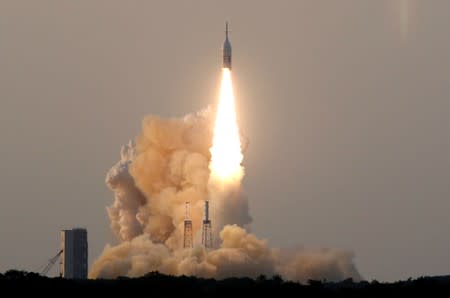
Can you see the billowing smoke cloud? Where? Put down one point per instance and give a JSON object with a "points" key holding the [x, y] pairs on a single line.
{"points": [[168, 166], [128, 198]]}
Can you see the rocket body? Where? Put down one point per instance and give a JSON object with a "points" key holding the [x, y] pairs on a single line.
{"points": [[226, 50], [206, 210]]}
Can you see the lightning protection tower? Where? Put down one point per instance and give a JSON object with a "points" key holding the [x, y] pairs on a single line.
{"points": [[187, 241], [206, 228]]}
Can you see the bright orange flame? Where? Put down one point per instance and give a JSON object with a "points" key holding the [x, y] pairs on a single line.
{"points": [[226, 155]]}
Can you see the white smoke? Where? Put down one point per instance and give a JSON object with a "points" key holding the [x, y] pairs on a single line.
{"points": [[168, 166]]}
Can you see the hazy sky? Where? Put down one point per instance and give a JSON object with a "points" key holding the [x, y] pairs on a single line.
{"points": [[346, 105]]}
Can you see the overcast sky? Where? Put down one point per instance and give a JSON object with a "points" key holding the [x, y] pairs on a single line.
{"points": [[346, 105]]}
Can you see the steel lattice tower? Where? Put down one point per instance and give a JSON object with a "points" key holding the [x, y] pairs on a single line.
{"points": [[187, 241], [206, 228]]}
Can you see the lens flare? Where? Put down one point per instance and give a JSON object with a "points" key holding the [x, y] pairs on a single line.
{"points": [[226, 155]]}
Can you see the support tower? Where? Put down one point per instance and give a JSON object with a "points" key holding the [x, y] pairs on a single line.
{"points": [[206, 228], [187, 241]]}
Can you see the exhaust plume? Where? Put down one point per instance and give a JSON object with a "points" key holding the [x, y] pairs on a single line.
{"points": [[191, 159]]}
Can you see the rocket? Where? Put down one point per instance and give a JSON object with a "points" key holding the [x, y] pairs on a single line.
{"points": [[226, 50]]}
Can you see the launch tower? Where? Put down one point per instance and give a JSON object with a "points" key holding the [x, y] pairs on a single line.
{"points": [[187, 241], [206, 228]]}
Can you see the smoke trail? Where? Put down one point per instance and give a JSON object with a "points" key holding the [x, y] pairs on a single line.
{"points": [[167, 166], [404, 18]]}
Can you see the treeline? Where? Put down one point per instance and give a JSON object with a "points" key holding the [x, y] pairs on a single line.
{"points": [[155, 284]]}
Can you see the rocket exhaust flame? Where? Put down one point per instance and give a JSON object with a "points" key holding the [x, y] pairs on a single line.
{"points": [[226, 155]]}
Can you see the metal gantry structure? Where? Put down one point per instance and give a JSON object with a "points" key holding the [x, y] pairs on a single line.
{"points": [[51, 262], [206, 228], [187, 241]]}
